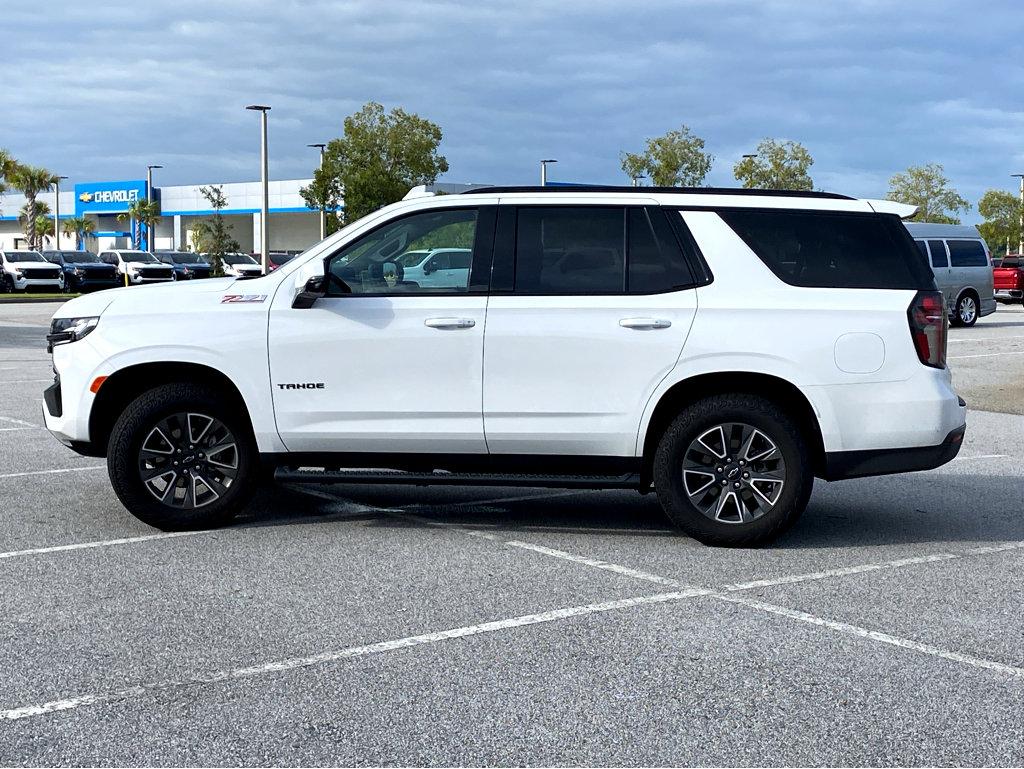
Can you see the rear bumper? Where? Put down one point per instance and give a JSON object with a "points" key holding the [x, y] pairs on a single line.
{"points": [[840, 465], [1009, 293]]}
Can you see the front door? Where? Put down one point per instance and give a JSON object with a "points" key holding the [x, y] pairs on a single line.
{"points": [[383, 364], [588, 313]]}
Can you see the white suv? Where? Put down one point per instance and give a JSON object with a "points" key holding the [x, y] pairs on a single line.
{"points": [[720, 347], [139, 266], [22, 270]]}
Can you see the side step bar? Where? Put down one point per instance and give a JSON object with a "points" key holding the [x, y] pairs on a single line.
{"points": [[440, 478]]}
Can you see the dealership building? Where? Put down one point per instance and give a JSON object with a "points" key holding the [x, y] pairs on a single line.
{"points": [[291, 224]]}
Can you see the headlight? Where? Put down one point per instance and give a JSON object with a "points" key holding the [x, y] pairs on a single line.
{"points": [[77, 272], [17, 273], [65, 330]]}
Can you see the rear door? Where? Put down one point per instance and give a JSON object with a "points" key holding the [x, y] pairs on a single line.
{"points": [[590, 306]]}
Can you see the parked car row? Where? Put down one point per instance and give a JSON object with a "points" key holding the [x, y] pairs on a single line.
{"points": [[81, 271]]}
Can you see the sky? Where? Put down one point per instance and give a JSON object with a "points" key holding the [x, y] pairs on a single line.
{"points": [[97, 91]]}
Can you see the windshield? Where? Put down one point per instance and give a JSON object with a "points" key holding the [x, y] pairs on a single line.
{"points": [[238, 259], [80, 257], [139, 256], [280, 259], [412, 258], [185, 257], [24, 256]]}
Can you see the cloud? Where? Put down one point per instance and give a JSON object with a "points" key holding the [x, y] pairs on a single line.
{"points": [[869, 86]]}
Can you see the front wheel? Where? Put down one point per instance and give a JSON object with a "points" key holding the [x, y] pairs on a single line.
{"points": [[180, 457], [733, 470]]}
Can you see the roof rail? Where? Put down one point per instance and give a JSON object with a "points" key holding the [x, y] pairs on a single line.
{"points": [[657, 190]]}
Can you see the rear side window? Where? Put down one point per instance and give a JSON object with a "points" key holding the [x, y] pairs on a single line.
{"points": [[967, 253], [570, 250], [827, 249], [655, 262]]}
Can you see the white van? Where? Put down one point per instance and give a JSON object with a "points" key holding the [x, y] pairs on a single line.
{"points": [[962, 264]]}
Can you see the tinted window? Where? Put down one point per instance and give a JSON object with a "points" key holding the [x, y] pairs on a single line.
{"points": [[376, 263], [655, 261], [967, 253], [570, 250], [826, 249], [922, 248], [938, 249]]}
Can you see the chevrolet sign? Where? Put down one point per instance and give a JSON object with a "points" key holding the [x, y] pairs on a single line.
{"points": [[107, 197]]}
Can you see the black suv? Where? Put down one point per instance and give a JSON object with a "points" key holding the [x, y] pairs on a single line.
{"points": [[83, 270]]}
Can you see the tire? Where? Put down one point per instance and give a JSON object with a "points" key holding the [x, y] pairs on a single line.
{"points": [[966, 311], [5, 284], [760, 508], [201, 495]]}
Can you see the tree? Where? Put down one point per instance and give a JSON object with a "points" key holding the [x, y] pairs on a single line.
{"points": [[776, 166], [79, 226], [379, 157], [32, 180], [141, 212], [928, 188], [212, 236], [43, 226], [676, 159], [1001, 228], [7, 168], [324, 193]]}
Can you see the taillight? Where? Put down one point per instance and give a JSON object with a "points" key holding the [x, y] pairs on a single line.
{"points": [[928, 323]]}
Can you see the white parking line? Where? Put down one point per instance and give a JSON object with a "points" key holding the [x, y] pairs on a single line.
{"points": [[13, 421], [598, 564], [987, 339], [54, 472], [874, 635], [984, 355], [982, 456], [25, 381], [12, 429], [99, 543], [294, 663]]}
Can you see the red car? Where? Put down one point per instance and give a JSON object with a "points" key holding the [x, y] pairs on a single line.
{"points": [[1008, 279]]}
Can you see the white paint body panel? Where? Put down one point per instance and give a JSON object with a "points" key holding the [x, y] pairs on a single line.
{"points": [[531, 375]]}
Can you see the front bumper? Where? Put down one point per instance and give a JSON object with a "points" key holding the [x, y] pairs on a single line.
{"points": [[840, 465], [26, 283]]}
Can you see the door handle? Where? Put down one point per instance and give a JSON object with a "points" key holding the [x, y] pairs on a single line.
{"points": [[449, 323], [644, 323]]}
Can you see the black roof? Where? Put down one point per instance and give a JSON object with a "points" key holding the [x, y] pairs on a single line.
{"points": [[659, 190]]}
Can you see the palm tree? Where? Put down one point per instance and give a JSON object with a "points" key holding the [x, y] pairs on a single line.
{"points": [[79, 226], [32, 225], [7, 166], [32, 180], [145, 212]]}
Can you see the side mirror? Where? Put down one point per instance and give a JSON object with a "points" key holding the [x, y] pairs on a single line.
{"points": [[315, 288]]}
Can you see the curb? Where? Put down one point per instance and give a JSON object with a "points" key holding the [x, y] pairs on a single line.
{"points": [[34, 300]]}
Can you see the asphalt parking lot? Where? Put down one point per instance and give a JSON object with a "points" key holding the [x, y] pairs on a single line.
{"points": [[481, 626]]}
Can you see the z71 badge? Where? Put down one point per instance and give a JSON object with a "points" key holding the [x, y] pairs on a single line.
{"points": [[243, 298]]}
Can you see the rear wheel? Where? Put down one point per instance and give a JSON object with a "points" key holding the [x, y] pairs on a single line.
{"points": [[180, 457], [966, 311], [733, 470]]}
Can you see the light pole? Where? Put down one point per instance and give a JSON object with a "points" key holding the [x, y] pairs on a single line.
{"points": [[544, 171], [636, 180], [323, 209], [150, 236], [56, 211], [264, 208], [1020, 245]]}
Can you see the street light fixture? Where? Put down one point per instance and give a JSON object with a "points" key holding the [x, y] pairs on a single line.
{"points": [[323, 209], [636, 180], [150, 236], [1020, 245], [56, 211], [264, 208], [544, 171]]}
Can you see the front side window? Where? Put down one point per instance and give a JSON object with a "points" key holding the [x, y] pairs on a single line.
{"points": [[967, 253], [409, 255]]}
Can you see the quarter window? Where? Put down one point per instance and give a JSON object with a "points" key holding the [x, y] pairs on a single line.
{"points": [[406, 256]]}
